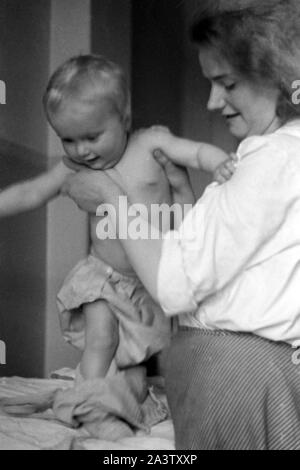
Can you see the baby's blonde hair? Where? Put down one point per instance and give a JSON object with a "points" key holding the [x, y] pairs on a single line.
{"points": [[78, 73]]}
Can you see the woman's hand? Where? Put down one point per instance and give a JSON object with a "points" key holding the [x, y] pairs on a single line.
{"points": [[182, 192], [90, 188]]}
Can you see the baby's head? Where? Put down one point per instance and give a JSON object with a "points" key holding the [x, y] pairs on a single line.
{"points": [[87, 103]]}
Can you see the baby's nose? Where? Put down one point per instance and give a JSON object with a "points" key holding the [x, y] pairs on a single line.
{"points": [[82, 149]]}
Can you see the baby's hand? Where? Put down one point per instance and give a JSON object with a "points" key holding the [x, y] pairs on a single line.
{"points": [[155, 130], [159, 128], [225, 170]]}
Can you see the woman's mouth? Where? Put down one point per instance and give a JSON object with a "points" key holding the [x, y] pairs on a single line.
{"points": [[228, 117]]}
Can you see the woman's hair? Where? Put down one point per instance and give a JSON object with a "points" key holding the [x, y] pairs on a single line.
{"points": [[79, 73], [260, 39]]}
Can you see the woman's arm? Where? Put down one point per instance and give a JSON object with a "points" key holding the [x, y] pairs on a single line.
{"points": [[230, 229], [89, 189], [180, 186]]}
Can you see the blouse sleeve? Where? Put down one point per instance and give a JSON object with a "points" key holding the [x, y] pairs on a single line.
{"points": [[224, 231]]}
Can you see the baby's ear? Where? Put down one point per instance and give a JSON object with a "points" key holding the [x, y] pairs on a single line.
{"points": [[127, 122]]}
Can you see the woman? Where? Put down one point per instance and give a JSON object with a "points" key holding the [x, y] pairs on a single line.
{"points": [[231, 271]]}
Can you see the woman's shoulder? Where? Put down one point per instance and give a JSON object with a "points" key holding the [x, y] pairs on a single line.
{"points": [[251, 145], [283, 141]]}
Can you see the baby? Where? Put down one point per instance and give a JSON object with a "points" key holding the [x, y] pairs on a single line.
{"points": [[104, 309]]}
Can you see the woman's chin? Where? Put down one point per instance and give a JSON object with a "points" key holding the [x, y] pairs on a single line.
{"points": [[236, 130]]}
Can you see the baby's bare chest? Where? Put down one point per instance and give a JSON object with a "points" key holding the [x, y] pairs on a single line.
{"points": [[142, 182]]}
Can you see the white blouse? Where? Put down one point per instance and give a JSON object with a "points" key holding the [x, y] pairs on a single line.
{"points": [[234, 263]]}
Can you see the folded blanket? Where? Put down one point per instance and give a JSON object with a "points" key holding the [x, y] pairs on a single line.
{"points": [[109, 408]]}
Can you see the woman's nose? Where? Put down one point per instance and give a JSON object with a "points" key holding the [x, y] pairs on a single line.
{"points": [[216, 98]]}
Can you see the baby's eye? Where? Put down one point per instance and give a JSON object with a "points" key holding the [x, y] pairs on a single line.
{"points": [[92, 138], [67, 141]]}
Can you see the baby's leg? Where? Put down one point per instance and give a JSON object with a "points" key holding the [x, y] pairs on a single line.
{"points": [[101, 339]]}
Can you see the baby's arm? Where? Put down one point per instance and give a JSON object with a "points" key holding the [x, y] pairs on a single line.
{"points": [[197, 155], [33, 193]]}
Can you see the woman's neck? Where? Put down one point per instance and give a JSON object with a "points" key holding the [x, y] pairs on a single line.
{"points": [[273, 126]]}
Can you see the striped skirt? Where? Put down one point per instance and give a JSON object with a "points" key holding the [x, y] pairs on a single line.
{"points": [[232, 391]]}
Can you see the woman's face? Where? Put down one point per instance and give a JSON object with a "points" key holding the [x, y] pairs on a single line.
{"points": [[249, 109]]}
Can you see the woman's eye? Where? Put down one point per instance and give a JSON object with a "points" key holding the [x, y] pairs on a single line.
{"points": [[230, 87]]}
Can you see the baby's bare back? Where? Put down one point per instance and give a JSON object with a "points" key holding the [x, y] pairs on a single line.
{"points": [[144, 181]]}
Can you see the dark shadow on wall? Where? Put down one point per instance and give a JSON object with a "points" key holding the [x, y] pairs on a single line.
{"points": [[156, 67], [22, 273], [166, 81]]}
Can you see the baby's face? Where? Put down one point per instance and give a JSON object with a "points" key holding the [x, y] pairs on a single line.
{"points": [[92, 133]]}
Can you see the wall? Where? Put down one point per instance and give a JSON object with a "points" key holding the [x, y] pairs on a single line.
{"points": [[67, 229], [38, 248], [111, 31], [157, 37], [24, 26]]}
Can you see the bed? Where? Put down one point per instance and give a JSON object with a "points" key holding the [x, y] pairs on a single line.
{"points": [[39, 429]]}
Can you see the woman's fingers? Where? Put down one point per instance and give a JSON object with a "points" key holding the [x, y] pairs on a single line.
{"points": [[88, 188], [176, 175], [161, 158], [178, 179]]}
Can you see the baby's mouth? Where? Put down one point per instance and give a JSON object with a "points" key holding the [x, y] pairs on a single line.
{"points": [[95, 163], [92, 159]]}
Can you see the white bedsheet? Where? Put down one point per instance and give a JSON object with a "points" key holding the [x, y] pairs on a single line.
{"points": [[43, 431]]}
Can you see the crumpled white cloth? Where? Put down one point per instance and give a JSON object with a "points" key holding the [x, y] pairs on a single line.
{"points": [[111, 408]]}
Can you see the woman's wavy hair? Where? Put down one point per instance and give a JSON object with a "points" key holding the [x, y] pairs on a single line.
{"points": [[82, 71], [260, 39]]}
